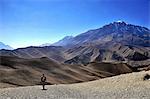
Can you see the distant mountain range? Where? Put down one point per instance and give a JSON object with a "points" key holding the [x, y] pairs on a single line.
{"points": [[45, 44], [117, 41], [3, 46], [64, 42], [119, 32]]}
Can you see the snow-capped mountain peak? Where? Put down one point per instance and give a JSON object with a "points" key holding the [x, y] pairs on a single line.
{"points": [[116, 32]]}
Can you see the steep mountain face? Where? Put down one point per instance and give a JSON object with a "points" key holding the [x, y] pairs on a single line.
{"points": [[115, 42], [115, 32], [103, 53], [3, 46]]}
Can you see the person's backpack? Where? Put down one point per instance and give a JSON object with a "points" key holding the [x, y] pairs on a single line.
{"points": [[43, 79]]}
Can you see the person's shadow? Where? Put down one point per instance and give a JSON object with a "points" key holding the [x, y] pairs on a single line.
{"points": [[44, 89]]}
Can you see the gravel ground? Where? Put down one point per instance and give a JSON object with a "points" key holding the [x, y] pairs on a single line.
{"points": [[126, 86]]}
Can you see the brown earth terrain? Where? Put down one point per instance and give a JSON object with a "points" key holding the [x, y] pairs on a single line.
{"points": [[16, 71]]}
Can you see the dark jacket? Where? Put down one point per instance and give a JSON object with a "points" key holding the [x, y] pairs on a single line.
{"points": [[43, 79]]}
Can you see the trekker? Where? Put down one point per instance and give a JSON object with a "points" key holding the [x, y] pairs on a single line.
{"points": [[43, 81]]}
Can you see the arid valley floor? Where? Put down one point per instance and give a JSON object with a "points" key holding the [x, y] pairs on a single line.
{"points": [[125, 86]]}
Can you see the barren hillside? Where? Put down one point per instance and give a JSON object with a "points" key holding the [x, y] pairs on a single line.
{"points": [[16, 71], [125, 86]]}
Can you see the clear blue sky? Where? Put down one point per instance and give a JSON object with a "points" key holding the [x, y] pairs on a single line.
{"points": [[34, 22]]}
